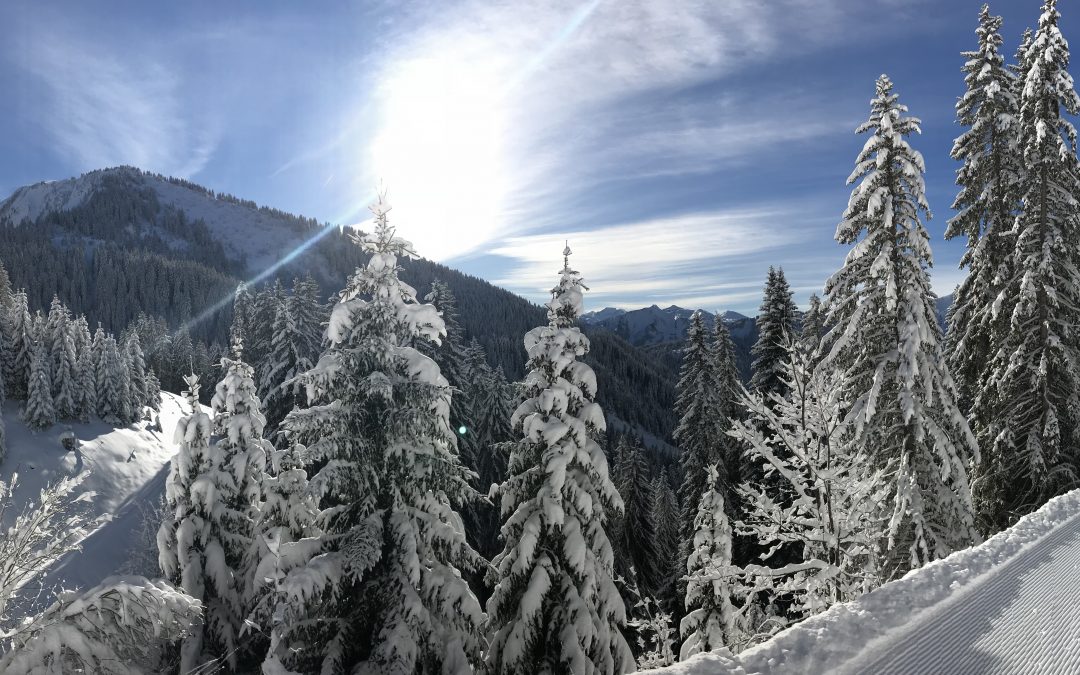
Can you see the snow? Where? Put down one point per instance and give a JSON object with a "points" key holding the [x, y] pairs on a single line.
{"points": [[127, 468], [1006, 605]]}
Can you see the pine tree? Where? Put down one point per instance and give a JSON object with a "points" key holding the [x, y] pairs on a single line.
{"points": [[710, 621], [153, 390], [776, 324], [64, 360], [885, 348], [387, 593], [39, 412], [259, 343], [985, 207], [242, 317], [137, 395], [195, 536], [113, 382], [240, 454], [1027, 413], [21, 346], [287, 537], [632, 480], [555, 607], [665, 522], [289, 357], [101, 369], [453, 358], [704, 405], [813, 327]]}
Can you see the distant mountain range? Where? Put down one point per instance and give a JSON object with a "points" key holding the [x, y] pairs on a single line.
{"points": [[661, 332]]}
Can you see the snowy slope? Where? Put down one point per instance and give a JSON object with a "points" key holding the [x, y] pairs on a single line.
{"points": [[127, 468], [242, 230], [1005, 606]]}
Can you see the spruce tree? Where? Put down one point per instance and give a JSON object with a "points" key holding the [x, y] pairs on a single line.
{"points": [[665, 522], [101, 370], [1028, 412], [294, 349], [21, 346], [885, 345], [633, 481], [704, 406], [452, 355], [39, 412], [388, 480], [114, 404], [240, 455], [776, 324], [813, 326], [195, 536], [242, 317], [710, 620], [985, 209], [64, 357], [555, 607]]}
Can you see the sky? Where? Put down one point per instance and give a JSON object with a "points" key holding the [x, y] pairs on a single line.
{"points": [[680, 147]]}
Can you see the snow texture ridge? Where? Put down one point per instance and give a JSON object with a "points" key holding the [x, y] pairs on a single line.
{"points": [[1004, 606]]}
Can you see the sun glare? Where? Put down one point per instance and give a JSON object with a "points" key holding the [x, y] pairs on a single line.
{"points": [[438, 153]]}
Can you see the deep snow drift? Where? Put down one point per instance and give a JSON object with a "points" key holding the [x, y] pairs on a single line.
{"points": [[1007, 605], [127, 470]]}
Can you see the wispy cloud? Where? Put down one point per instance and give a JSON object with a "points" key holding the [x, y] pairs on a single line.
{"points": [[698, 259], [101, 108]]}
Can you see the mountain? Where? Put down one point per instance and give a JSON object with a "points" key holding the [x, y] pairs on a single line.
{"points": [[662, 332], [118, 242]]}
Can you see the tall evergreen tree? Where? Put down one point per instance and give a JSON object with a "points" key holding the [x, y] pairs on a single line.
{"points": [[633, 481], [195, 535], [665, 522], [115, 406], [1029, 410], [985, 209], [294, 349], [710, 620], [39, 412], [21, 346], [885, 345], [813, 327], [555, 607], [240, 455], [776, 325], [704, 406], [243, 317], [387, 593], [61, 345], [138, 397]]}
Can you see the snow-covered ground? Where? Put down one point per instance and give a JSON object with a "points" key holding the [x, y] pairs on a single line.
{"points": [[127, 469], [1005, 606]]}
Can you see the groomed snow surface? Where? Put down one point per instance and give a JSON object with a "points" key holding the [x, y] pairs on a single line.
{"points": [[127, 470], [1005, 606]]}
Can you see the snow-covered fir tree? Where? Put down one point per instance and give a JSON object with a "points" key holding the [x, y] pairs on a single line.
{"points": [[884, 346], [1028, 412], [710, 621], [813, 325], [196, 536], [101, 369], [776, 323], [386, 594], [633, 480], [114, 405], [243, 316], [136, 366], [985, 207], [287, 536], [294, 349], [705, 405], [153, 390], [833, 504], [665, 518], [39, 412], [555, 607], [241, 454], [62, 352], [20, 346]]}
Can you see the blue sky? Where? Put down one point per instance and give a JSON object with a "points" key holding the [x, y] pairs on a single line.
{"points": [[682, 147]]}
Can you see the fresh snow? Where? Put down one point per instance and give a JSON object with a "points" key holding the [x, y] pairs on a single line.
{"points": [[1004, 606], [127, 468]]}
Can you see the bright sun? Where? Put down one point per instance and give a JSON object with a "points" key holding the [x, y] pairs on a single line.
{"points": [[438, 153]]}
